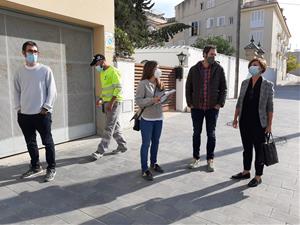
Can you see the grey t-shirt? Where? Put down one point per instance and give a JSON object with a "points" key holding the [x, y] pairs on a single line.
{"points": [[144, 99]]}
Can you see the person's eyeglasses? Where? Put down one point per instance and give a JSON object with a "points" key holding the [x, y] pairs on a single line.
{"points": [[32, 51]]}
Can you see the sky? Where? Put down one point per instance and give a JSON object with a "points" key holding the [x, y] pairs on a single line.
{"points": [[291, 12]]}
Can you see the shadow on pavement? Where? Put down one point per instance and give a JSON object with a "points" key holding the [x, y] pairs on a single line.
{"points": [[170, 210], [11, 174], [56, 199]]}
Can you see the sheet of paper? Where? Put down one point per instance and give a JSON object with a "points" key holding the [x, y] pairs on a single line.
{"points": [[166, 95]]}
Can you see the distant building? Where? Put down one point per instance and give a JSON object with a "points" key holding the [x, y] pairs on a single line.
{"points": [[264, 21], [261, 19], [155, 19]]}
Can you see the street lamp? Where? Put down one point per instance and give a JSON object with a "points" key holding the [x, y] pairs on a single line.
{"points": [[181, 58]]}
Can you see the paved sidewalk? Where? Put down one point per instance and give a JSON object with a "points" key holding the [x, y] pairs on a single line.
{"points": [[111, 190]]}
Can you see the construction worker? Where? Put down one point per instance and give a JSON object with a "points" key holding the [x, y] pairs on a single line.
{"points": [[110, 100]]}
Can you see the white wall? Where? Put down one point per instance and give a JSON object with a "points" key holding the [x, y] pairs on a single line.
{"points": [[167, 56], [126, 69]]}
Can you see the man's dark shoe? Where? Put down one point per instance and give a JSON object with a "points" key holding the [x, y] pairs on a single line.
{"points": [[254, 182], [156, 168], [241, 176], [32, 172], [50, 175], [147, 175]]}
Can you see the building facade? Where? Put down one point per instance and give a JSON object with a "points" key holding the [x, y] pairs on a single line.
{"points": [[261, 19], [264, 21], [68, 34], [206, 18], [155, 20]]}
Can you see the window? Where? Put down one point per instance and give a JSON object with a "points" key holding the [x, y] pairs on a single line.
{"points": [[229, 38], [194, 29], [231, 20], [209, 23], [201, 5], [257, 19], [257, 36], [210, 4], [221, 21]]}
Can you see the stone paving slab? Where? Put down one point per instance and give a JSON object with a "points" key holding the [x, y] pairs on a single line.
{"points": [[111, 190]]}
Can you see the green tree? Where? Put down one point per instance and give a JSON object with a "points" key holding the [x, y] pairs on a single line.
{"points": [[132, 28], [223, 46], [124, 46], [164, 34], [130, 19], [292, 63]]}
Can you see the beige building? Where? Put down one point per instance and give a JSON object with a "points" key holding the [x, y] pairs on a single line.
{"points": [[68, 33], [206, 18], [262, 19]]}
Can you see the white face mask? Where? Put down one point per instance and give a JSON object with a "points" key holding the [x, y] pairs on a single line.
{"points": [[99, 68], [157, 73]]}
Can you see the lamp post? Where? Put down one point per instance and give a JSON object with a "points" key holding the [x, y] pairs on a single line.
{"points": [[181, 57]]}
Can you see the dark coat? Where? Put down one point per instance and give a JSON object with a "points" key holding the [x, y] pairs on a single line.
{"points": [[217, 86]]}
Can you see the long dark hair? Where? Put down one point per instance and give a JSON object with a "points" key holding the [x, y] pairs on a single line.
{"points": [[148, 73]]}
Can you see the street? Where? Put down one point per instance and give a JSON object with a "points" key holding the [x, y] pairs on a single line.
{"points": [[112, 191]]}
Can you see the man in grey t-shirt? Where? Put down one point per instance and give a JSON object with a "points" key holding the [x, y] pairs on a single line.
{"points": [[34, 96]]}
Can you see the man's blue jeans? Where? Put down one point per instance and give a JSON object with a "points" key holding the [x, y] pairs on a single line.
{"points": [[211, 116], [151, 131]]}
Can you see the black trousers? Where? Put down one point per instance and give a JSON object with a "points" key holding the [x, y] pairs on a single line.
{"points": [[29, 124], [252, 135]]}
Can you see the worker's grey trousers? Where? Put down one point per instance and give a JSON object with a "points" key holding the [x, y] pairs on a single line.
{"points": [[112, 129]]}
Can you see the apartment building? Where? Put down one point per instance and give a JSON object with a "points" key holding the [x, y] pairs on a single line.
{"points": [[206, 18], [262, 19]]}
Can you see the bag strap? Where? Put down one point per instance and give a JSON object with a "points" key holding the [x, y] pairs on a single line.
{"points": [[269, 137]]}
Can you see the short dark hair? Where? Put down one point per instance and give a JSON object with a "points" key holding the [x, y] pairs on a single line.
{"points": [[31, 43], [261, 62], [207, 48]]}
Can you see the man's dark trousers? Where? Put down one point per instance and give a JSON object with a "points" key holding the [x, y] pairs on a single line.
{"points": [[29, 124], [211, 116]]}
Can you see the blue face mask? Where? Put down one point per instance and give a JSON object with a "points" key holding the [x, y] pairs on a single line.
{"points": [[99, 68], [254, 70], [31, 58]]}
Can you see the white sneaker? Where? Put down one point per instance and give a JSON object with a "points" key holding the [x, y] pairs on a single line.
{"points": [[194, 164], [97, 155], [210, 166]]}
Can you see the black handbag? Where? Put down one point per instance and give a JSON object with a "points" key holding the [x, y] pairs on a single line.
{"points": [[137, 120], [269, 151]]}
